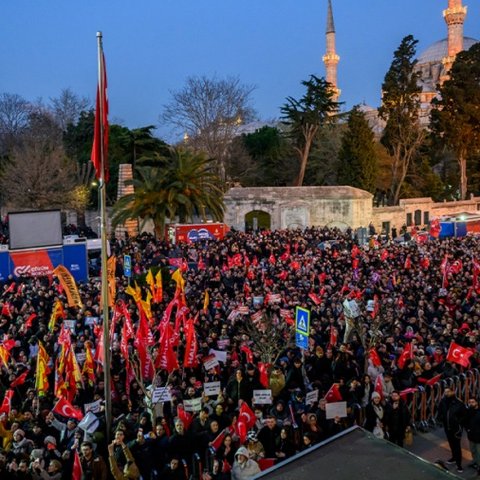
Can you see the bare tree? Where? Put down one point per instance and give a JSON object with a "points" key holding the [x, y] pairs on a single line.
{"points": [[270, 335], [209, 111], [14, 119], [39, 176], [67, 107]]}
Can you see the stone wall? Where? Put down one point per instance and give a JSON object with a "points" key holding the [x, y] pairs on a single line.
{"points": [[419, 211], [291, 207], [341, 206]]}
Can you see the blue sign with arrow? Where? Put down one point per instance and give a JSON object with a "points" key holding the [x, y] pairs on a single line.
{"points": [[302, 327]]}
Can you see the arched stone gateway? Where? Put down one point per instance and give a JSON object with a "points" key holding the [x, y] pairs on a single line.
{"points": [[298, 207], [257, 220]]}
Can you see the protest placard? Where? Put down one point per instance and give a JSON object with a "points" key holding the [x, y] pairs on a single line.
{"points": [[210, 362], [223, 343], [194, 405], [336, 409], [211, 389], [70, 325], [93, 407], [219, 355], [262, 397], [161, 394], [311, 397]]}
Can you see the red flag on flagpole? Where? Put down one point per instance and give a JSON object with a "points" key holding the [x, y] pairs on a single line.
{"points": [[246, 415], [217, 443], [458, 354], [20, 380], [407, 354], [7, 402], [64, 408], [375, 358], [333, 395], [185, 417], [100, 138], [77, 471], [379, 385]]}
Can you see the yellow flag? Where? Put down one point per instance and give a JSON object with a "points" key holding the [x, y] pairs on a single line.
{"points": [[4, 356], [68, 283], [178, 279], [41, 375], [112, 287], [57, 311], [150, 281], [136, 292], [206, 301]]}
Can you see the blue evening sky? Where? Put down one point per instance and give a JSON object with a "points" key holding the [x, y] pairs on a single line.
{"points": [[151, 46]]}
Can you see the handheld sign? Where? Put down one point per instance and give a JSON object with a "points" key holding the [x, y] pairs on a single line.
{"points": [[127, 265], [262, 397], [302, 327]]}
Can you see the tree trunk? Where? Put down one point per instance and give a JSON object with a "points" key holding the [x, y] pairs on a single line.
{"points": [[462, 163]]}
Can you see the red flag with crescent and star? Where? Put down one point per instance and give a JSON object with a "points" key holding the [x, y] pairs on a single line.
{"points": [[64, 408], [458, 354]]}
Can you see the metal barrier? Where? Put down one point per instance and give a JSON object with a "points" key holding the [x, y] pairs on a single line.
{"points": [[422, 402]]}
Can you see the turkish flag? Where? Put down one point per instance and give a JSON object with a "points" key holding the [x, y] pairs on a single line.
{"points": [[20, 380], [77, 472], [29, 321], [383, 255], [333, 395], [217, 443], [458, 354], [435, 228], [375, 358], [7, 402], [248, 353], [333, 335], [64, 408], [263, 370], [246, 415], [407, 354], [379, 385], [432, 381], [185, 417], [408, 263], [100, 136], [316, 299]]}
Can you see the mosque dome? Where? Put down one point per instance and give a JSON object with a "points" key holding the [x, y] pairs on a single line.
{"points": [[439, 50]]}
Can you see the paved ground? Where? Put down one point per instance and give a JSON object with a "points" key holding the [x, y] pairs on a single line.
{"points": [[433, 446]]}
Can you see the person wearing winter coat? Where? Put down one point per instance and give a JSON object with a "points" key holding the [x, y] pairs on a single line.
{"points": [[451, 412], [375, 415], [472, 426], [397, 418], [244, 468]]}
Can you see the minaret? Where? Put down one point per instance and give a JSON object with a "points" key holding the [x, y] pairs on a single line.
{"points": [[454, 17], [331, 58]]}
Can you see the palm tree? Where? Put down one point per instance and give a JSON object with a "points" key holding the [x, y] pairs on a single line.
{"points": [[182, 184]]}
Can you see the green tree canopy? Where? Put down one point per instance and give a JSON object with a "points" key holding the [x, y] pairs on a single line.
{"points": [[456, 113], [400, 108], [305, 115], [358, 157], [183, 184]]}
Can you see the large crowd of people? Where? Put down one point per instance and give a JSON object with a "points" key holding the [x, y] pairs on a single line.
{"points": [[233, 294]]}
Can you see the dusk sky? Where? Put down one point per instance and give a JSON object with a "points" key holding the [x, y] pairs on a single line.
{"points": [[151, 46]]}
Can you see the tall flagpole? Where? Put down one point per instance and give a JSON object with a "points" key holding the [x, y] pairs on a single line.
{"points": [[103, 234]]}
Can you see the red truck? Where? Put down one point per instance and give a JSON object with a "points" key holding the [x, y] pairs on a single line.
{"points": [[190, 233]]}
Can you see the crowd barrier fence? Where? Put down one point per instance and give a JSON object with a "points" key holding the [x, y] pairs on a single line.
{"points": [[422, 401]]}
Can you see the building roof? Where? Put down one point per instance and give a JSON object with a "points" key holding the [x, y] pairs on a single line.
{"points": [[355, 454], [300, 193], [439, 50]]}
